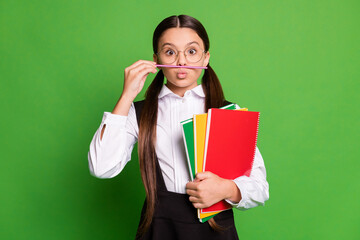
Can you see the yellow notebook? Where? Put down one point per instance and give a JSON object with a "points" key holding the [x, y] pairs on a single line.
{"points": [[199, 141]]}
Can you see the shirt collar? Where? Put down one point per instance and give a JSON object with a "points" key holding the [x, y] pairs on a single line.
{"points": [[198, 90]]}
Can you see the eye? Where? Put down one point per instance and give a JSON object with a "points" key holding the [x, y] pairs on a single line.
{"points": [[170, 52], [192, 51]]}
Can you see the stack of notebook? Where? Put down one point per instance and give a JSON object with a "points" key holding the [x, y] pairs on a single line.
{"points": [[222, 141]]}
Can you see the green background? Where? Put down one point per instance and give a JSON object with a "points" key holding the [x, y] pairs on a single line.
{"points": [[62, 66]]}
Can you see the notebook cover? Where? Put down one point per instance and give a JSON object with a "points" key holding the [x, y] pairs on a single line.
{"points": [[230, 145], [188, 137], [199, 140]]}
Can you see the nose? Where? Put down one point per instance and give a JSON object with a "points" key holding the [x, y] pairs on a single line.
{"points": [[181, 60]]}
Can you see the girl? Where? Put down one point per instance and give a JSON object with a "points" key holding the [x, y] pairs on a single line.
{"points": [[169, 211]]}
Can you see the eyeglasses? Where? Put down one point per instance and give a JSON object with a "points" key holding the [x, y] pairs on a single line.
{"points": [[169, 54]]}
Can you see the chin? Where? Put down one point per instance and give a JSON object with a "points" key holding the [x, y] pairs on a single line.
{"points": [[183, 83]]}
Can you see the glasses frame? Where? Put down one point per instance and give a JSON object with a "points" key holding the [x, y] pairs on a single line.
{"points": [[177, 55]]}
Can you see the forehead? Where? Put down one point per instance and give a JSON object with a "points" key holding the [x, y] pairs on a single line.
{"points": [[180, 37]]}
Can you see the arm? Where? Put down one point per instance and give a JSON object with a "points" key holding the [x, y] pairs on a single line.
{"points": [[112, 144], [109, 153]]}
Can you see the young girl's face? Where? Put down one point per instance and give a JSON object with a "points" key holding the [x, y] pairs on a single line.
{"points": [[178, 40]]}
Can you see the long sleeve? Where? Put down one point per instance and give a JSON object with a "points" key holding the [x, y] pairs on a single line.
{"points": [[254, 189], [108, 156]]}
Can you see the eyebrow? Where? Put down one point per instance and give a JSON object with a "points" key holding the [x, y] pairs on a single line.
{"points": [[174, 45]]}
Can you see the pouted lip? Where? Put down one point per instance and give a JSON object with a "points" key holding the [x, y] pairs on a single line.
{"points": [[181, 72]]}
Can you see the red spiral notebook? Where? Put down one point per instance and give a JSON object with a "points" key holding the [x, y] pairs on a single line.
{"points": [[230, 146]]}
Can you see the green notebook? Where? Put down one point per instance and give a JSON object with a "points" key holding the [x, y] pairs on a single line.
{"points": [[188, 136]]}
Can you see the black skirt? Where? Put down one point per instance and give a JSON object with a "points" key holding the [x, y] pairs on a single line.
{"points": [[176, 218]]}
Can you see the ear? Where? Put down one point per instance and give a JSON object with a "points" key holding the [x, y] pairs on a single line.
{"points": [[155, 58], [207, 59]]}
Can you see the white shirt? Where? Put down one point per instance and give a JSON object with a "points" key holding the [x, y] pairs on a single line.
{"points": [[107, 157]]}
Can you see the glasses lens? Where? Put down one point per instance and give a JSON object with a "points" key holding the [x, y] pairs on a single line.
{"points": [[193, 54], [168, 55]]}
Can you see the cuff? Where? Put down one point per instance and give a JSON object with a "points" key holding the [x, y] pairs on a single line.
{"points": [[110, 118], [244, 198]]}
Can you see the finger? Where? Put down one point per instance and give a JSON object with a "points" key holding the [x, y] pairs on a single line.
{"points": [[198, 205], [193, 193], [137, 76], [142, 69], [194, 199], [138, 63], [191, 186], [144, 72], [141, 84], [202, 175], [196, 180]]}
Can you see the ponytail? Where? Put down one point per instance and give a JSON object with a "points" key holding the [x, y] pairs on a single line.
{"points": [[214, 95], [146, 147]]}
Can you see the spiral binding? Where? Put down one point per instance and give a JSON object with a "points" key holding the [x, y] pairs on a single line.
{"points": [[257, 131]]}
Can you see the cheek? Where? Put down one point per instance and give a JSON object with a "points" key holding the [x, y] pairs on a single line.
{"points": [[168, 74], [196, 74]]}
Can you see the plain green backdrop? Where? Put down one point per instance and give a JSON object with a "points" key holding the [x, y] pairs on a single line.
{"points": [[62, 66]]}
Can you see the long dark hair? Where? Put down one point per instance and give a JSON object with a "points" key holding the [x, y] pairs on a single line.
{"points": [[214, 98]]}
